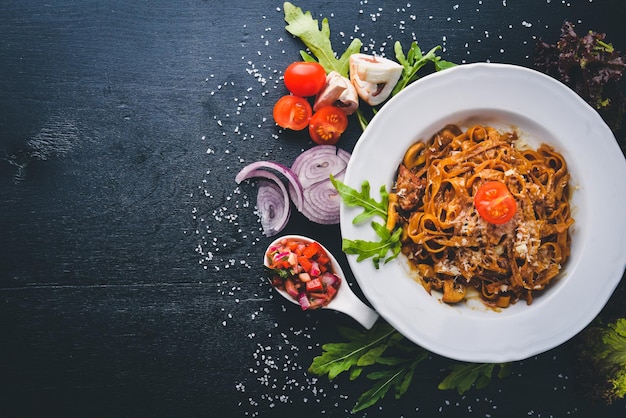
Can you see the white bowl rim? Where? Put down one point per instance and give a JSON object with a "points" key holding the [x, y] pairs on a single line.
{"points": [[543, 109]]}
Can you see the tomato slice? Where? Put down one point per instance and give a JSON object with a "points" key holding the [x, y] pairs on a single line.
{"points": [[292, 112], [327, 124], [305, 79], [494, 202]]}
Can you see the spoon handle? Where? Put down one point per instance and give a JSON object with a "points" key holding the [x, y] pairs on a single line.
{"points": [[351, 305]]}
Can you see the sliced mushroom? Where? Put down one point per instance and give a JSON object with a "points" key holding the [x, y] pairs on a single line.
{"points": [[453, 292], [414, 155], [338, 91], [373, 77]]}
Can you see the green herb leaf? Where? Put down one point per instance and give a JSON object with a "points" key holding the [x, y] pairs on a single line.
{"points": [[614, 342], [600, 362], [398, 378], [354, 198], [602, 46], [384, 380], [282, 273], [391, 361], [371, 396], [366, 350], [341, 357], [372, 355], [612, 351], [463, 376], [317, 40], [414, 60], [389, 241], [376, 250], [363, 122], [355, 372]]}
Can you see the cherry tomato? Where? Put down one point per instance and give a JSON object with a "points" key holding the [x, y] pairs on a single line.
{"points": [[327, 124], [305, 79], [292, 112], [494, 202]]}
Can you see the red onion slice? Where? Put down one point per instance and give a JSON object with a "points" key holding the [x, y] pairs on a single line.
{"points": [[303, 300], [309, 187], [330, 279], [314, 168], [322, 202], [274, 207], [294, 182], [318, 163]]}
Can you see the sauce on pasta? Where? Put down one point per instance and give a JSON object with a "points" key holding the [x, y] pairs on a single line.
{"points": [[451, 246]]}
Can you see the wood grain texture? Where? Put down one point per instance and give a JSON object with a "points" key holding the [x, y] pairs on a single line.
{"points": [[130, 273]]}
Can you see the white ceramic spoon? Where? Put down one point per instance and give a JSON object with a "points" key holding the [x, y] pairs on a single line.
{"points": [[345, 300]]}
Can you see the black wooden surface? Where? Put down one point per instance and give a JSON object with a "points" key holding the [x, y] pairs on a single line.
{"points": [[130, 278]]}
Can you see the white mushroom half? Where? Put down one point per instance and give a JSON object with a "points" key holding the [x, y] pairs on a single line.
{"points": [[338, 91], [373, 77]]}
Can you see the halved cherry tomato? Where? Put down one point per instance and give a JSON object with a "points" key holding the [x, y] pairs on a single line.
{"points": [[292, 112], [305, 79], [494, 202], [327, 124]]}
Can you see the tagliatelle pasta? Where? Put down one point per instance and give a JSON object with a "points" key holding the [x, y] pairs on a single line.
{"points": [[451, 246]]}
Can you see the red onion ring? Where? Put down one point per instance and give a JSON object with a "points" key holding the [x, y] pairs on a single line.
{"points": [[274, 207], [314, 168], [274, 216], [318, 163], [294, 182], [322, 202], [310, 188]]}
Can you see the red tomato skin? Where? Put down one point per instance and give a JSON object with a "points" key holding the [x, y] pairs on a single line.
{"points": [[315, 285], [292, 112], [327, 124], [494, 203], [305, 79]]}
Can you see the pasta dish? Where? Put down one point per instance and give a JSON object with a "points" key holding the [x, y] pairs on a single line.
{"points": [[478, 211]]}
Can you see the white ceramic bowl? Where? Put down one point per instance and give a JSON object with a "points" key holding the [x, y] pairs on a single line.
{"points": [[542, 110]]}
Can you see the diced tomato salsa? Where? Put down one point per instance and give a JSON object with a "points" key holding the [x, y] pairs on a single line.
{"points": [[304, 270]]}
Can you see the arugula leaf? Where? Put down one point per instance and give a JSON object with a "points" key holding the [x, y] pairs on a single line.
{"points": [[414, 60], [363, 122], [306, 28], [341, 357], [389, 240], [399, 378], [391, 361], [463, 376], [376, 250], [368, 349], [352, 197]]}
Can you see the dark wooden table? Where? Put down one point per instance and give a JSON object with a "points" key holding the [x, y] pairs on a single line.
{"points": [[130, 261]]}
